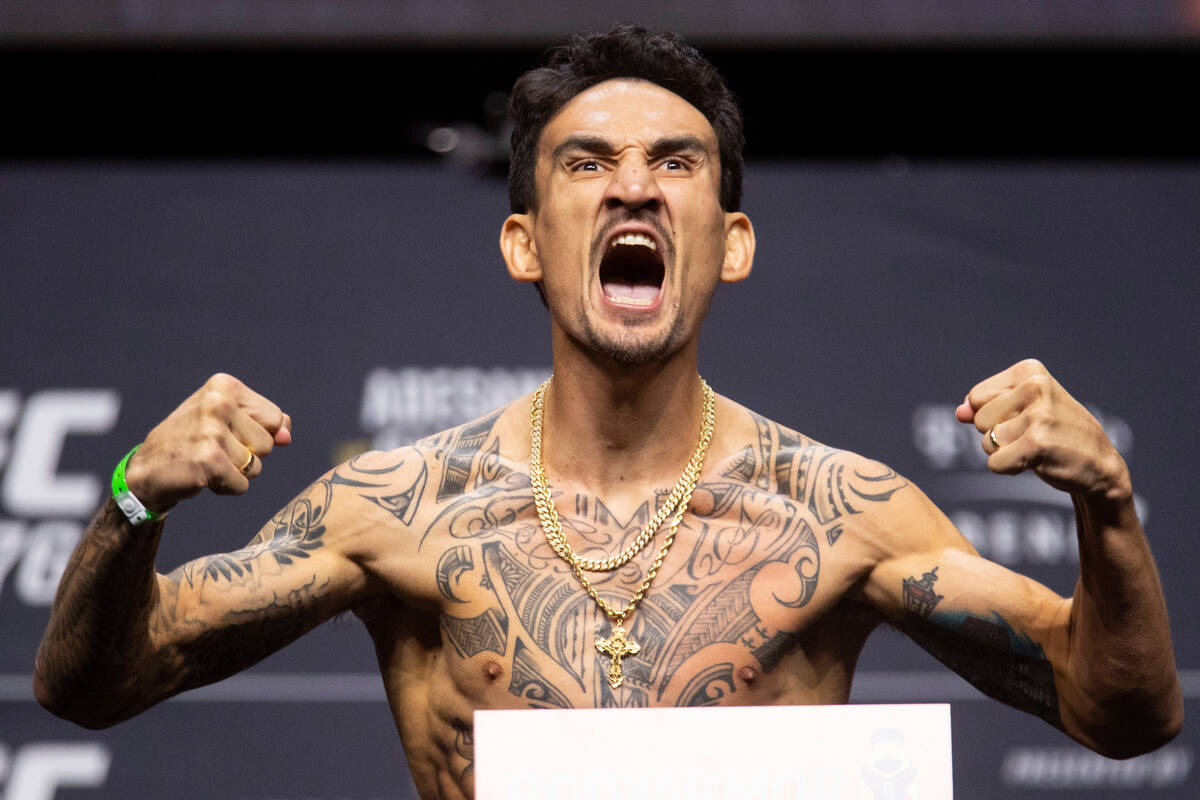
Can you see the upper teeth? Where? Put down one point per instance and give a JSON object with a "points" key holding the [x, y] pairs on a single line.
{"points": [[638, 239]]}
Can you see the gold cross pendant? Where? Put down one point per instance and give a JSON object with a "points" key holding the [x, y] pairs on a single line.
{"points": [[616, 647]]}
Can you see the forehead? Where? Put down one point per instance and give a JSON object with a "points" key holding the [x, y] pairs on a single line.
{"points": [[627, 111]]}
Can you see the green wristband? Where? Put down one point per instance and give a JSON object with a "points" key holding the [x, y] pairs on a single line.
{"points": [[133, 509]]}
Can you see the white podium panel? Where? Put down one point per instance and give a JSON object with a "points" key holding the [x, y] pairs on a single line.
{"points": [[857, 752]]}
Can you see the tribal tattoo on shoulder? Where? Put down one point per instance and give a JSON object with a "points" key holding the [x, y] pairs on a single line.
{"points": [[299, 529], [999, 661], [828, 482], [472, 489]]}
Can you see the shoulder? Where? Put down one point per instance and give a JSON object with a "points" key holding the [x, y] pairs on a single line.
{"points": [[415, 481], [478, 452], [503, 431], [773, 456], [839, 491], [354, 501]]}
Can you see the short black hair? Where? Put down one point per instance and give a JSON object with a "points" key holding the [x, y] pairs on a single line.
{"points": [[625, 52]]}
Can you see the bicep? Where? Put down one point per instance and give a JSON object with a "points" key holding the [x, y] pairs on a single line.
{"points": [[221, 613], [1002, 631]]}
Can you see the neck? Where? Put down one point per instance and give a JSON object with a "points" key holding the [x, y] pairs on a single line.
{"points": [[616, 428]]}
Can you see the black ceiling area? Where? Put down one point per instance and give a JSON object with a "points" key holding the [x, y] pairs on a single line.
{"points": [[814, 101]]}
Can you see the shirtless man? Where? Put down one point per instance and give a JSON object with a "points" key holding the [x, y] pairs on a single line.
{"points": [[773, 558]]}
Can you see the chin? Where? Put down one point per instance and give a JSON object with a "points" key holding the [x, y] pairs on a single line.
{"points": [[633, 347]]}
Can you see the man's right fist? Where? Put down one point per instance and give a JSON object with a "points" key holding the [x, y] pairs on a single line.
{"points": [[217, 439]]}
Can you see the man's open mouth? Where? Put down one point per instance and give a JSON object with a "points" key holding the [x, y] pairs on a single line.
{"points": [[631, 271]]}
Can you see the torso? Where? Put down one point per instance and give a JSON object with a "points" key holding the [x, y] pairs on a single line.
{"points": [[753, 605]]}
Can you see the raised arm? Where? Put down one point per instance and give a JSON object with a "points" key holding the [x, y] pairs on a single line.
{"points": [[122, 637], [1099, 665]]}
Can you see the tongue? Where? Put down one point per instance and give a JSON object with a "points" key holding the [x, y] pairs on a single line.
{"points": [[636, 293]]}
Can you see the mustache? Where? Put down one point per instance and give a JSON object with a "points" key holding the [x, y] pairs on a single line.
{"points": [[650, 219]]}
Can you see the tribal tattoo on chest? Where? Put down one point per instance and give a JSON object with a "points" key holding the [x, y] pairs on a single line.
{"points": [[754, 539]]}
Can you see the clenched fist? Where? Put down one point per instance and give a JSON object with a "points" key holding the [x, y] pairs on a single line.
{"points": [[1029, 421], [216, 438]]}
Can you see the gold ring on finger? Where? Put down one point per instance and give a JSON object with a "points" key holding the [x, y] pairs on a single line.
{"points": [[992, 437], [244, 468]]}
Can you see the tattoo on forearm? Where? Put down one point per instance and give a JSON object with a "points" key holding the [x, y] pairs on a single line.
{"points": [[96, 632]]}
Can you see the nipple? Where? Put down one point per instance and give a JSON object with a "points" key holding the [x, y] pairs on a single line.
{"points": [[747, 674], [492, 670]]}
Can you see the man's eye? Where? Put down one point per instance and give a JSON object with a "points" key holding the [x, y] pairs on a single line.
{"points": [[674, 164], [587, 166]]}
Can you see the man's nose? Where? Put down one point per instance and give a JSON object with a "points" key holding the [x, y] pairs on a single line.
{"points": [[633, 185]]}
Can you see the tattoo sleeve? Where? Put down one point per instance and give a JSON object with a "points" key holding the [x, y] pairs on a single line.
{"points": [[97, 630], [122, 638], [242, 606]]}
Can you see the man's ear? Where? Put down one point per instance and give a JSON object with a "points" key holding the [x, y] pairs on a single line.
{"points": [[739, 247], [519, 248]]}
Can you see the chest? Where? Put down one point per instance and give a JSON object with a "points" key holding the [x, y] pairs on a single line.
{"points": [[736, 596]]}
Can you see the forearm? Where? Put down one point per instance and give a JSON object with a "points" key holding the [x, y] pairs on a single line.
{"points": [[1121, 664], [95, 654], [1114, 670]]}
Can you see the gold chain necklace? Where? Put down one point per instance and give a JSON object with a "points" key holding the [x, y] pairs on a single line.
{"points": [[552, 525], [618, 645]]}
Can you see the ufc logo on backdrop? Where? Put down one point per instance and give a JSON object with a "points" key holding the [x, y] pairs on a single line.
{"points": [[31, 443], [41, 508], [36, 771]]}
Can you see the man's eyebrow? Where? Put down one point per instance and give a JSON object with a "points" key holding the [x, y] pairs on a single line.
{"points": [[598, 145], [685, 143], [586, 144]]}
